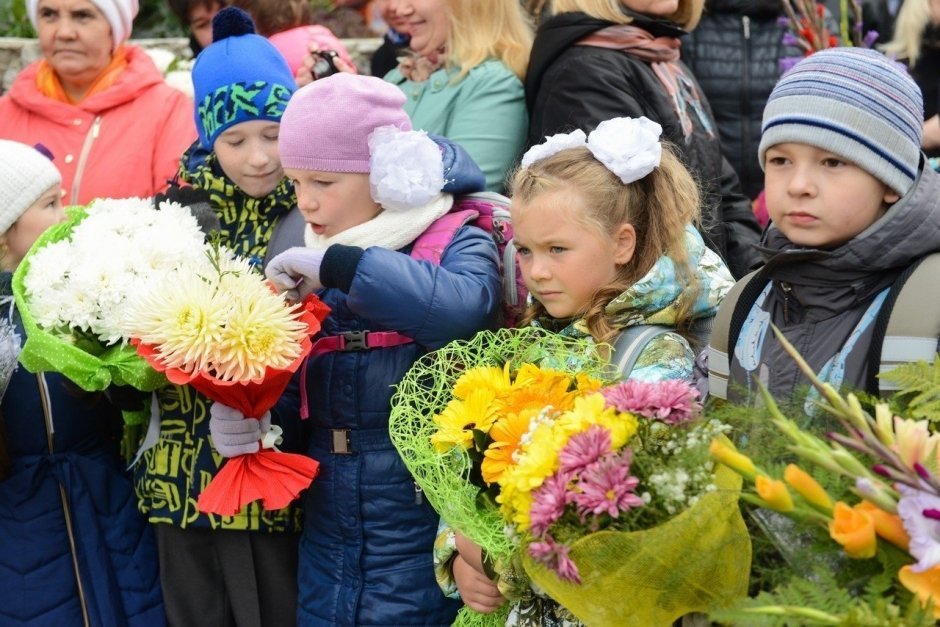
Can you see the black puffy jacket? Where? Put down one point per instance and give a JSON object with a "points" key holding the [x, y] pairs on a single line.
{"points": [[569, 87], [735, 54]]}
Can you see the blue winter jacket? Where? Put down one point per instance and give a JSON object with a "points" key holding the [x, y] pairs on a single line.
{"points": [[68, 489], [366, 548]]}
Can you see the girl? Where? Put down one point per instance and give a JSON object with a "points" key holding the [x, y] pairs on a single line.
{"points": [[368, 187], [73, 549], [604, 229]]}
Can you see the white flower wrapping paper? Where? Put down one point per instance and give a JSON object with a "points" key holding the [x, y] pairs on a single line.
{"points": [[407, 168]]}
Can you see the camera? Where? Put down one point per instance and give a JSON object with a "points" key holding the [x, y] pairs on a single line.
{"points": [[324, 65]]}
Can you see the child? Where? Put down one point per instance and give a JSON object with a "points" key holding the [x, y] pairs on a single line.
{"points": [[852, 206], [215, 568], [604, 229], [73, 549], [195, 16], [368, 187]]}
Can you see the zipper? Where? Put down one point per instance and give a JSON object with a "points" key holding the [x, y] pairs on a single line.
{"points": [[787, 288], [747, 26], [746, 95], [90, 138], [419, 494], [50, 439]]}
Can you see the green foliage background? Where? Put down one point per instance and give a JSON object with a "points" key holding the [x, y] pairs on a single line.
{"points": [[154, 20]]}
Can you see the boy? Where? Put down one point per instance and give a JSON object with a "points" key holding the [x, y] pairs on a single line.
{"points": [[852, 207], [216, 570]]}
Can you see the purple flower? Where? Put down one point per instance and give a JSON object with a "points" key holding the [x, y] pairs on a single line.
{"points": [[787, 63], [548, 502], [555, 556], [672, 402], [585, 448], [783, 21], [870, 38], [607, 487], [923, 530], [790, 40]]}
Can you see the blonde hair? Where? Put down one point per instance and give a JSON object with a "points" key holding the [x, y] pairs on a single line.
{"points": [[686, 16], [659, 207], [912, 21], [489, 29]]}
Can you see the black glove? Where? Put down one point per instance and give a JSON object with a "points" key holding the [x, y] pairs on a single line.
{"points": [[199, 204]]}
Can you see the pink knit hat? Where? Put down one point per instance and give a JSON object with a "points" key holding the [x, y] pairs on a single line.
{"points": [[327, 124]]}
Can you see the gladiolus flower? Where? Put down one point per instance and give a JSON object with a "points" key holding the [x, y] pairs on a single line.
{"points": [[807, 487], [734, 460], [775, 493], [923, 530], [854, 529], [926, 585], [888, 526]]}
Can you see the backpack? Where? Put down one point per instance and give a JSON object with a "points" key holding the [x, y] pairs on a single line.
{"points": [[632, 341], [906, 330], [490, 212]]}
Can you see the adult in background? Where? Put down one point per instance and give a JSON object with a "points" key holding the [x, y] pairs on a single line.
{"points": [[594, 60], [463, 78], [101, 107]]}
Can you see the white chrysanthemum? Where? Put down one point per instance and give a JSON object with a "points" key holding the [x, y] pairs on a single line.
{"points": [[261, 332], [407, 168]]}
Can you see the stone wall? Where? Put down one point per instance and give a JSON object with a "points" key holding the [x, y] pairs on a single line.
{"points": [[16, 53]]}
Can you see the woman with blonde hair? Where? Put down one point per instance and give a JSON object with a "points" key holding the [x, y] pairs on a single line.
{"points": [[595, 60], [916, 41], [463, 78]]}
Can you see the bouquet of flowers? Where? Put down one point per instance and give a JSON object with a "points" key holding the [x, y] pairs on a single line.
{"points": [[217, 325], [808, 28], [76, 283], [589, 492], [873, 492]]}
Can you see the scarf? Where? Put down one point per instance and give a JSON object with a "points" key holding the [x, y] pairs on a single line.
{"points": [[418, 68], [662, 54], [49, 85], [392, 230], [247, 222]]}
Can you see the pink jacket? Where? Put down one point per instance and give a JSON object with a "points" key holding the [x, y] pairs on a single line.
{"points": [[296, 43], [125, 141]]}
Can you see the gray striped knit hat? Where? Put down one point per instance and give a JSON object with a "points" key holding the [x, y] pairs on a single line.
{"points": [[855, 103]]}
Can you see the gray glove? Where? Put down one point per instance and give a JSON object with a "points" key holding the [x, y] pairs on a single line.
{"points": [[233, 434], [296, 271]]}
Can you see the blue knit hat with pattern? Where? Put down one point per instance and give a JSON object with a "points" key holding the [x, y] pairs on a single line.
{"points": [[856, 103], [240, 77]]}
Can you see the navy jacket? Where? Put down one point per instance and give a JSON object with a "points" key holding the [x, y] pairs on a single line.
{"points": [[67, 487], [366, 548]]}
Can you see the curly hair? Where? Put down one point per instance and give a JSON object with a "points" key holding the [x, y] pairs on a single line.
{"points": [[659, 207]]}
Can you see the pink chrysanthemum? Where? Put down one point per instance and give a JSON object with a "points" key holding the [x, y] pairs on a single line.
{"points": [[672, 402], [548, 502], [607, 487], [585, 448], [555, 556]]}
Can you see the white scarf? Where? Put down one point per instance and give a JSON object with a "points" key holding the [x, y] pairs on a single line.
{"points": [[390, 229]]}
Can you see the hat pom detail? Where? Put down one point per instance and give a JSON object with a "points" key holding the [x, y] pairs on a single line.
{"points": [[231, 22]]}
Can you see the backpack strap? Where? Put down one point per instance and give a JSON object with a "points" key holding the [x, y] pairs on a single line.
{"points": [[908, 326], [430, 245], [288, 232], [726, 328], [630, 344]]}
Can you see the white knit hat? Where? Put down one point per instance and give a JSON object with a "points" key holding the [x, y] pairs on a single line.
{"points": [[119, 13], [25, 175]]}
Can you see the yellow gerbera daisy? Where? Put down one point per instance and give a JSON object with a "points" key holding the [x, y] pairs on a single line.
{"points": [[506, 433], [461, 416], [491, 377]]}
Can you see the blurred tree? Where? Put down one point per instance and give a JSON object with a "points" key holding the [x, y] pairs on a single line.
{"points": [[153, 20]]}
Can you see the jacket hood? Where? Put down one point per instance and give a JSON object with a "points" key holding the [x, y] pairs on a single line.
{"points": [[910, 229], [651, 300], [139, 76], [562, 31], [763, 8]]}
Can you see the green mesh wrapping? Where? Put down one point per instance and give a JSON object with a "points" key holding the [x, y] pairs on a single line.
{"points": [[89, 367], [426, 390]]}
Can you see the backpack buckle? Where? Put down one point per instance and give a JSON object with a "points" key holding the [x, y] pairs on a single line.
{"points": [[341, 444], [354, 341]]}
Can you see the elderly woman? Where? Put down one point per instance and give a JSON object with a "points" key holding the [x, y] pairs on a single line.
{"points": [[464, 77], [600, 59], [100, 106]]}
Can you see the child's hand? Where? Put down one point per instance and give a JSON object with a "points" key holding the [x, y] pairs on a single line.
{"points": [[471, 553], [296, 271], [476, 589]]}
